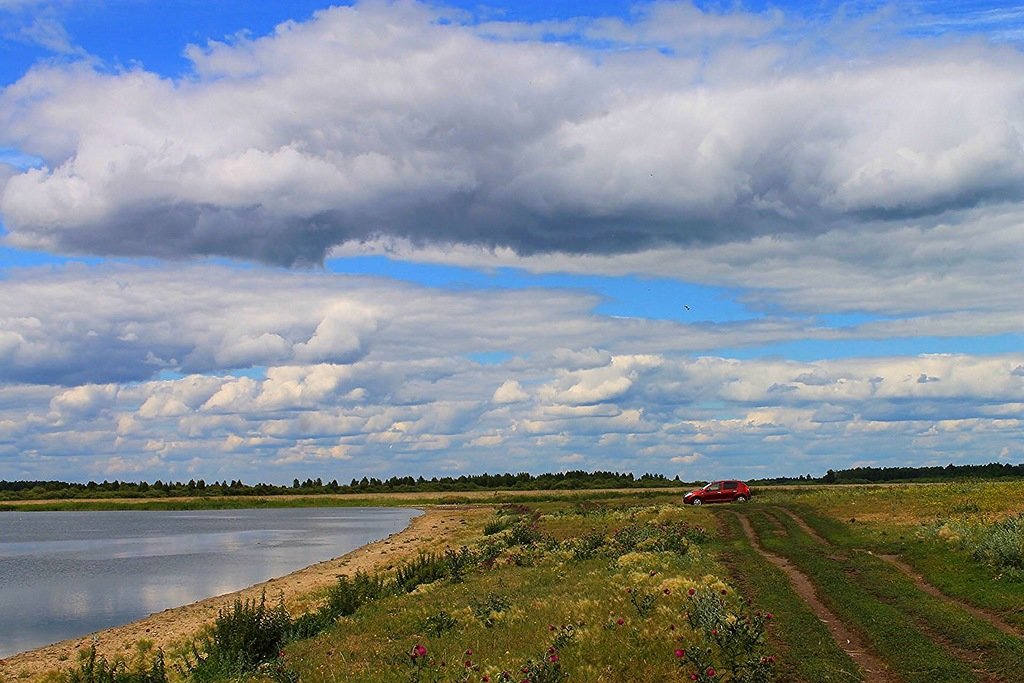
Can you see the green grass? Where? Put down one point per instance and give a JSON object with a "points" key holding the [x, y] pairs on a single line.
{"points": [[563, 593], [561, 569], [947, 565], [373, 644], [860, 583], [807, 653], [885, 628]]}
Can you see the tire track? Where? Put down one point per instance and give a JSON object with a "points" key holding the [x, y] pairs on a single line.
{"points": [[919, 580], [874, 669]]}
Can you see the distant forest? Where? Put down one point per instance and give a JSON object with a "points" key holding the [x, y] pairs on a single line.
{"points": [[578, 479]]}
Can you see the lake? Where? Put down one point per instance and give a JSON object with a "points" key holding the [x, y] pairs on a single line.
{"points": [[66, 574]]}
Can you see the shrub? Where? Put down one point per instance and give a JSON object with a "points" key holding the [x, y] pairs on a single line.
{"points": [[487, 611], [586, 546], [731, 645], [437, 624], [241, 638], [1002, 544], [426, 568], [524, 532], [999, 544], [496, 525], [348, 595], [642, 601], [673, 537], [458, 561]]}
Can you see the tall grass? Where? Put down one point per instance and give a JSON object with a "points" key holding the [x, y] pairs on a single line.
{"points": [[97, 669], [998, 544], [241, 638]]}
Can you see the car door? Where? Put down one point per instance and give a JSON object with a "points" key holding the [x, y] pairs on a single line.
{"points": [[729, 490], [714, 494]]}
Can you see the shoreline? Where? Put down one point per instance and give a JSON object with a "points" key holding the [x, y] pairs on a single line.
{"points": [[300, 589]]}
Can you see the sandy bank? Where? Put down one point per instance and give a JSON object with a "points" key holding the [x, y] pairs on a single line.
{"points": [[437, 527]]}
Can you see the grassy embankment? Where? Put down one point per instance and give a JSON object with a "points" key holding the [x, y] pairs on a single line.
{"points": [[605, 587], [618, 587]]}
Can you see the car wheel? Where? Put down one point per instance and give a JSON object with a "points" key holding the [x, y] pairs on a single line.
{"points": [[697, 501], [741, 499]]}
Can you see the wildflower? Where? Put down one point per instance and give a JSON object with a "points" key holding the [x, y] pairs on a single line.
{"points": [[553, 658], [667, 591], [691, 592], [469, 653], [620, 621], [680, 653], [551, 627], [710, 672], [768, 616], [486, 679], [417, 651]]}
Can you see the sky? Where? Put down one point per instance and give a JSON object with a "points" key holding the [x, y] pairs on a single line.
{"points": [[266, 241]]}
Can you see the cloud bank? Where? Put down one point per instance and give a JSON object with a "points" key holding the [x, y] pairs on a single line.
{"points": [[404, 121], [263, 373]]}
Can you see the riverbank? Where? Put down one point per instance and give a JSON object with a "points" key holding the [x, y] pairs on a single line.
{"points": [[172, 628]]}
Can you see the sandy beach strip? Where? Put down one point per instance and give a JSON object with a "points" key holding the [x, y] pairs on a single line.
{"points": [[434, 529]]}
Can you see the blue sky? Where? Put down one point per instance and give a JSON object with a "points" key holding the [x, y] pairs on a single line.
{"points": [[708, 239]]}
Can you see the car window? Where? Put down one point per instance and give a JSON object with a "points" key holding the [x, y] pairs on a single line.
{"points": [[729, 485]]}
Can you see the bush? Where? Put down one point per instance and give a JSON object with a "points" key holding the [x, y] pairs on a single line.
{"points": [[732, 644], [437, 624], [488, 610], [586, 546], [426, 568], [1002, 544], [673, 537], [241, 638], [497, 525]]}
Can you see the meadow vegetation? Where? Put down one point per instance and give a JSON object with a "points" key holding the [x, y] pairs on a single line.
{"points": [[609, 587], [560, 589]]}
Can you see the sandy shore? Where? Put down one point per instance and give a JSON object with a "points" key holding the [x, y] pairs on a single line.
{"points": [[435, 528]]}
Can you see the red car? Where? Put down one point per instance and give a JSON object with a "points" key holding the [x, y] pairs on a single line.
{"points": [[725, 491]]}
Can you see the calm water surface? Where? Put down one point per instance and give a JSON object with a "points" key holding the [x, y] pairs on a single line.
{"points": [[66, 574]]}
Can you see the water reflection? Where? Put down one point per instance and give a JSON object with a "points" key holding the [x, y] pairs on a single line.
{"points": [[66, 574]]}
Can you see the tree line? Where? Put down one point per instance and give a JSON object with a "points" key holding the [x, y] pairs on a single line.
{"points": [[577, 479]]}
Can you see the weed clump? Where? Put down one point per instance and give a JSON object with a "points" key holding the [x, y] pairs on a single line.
{"points": [[997, 544], [241, 638], [731, 644], [1002, 545], [96, 669]]}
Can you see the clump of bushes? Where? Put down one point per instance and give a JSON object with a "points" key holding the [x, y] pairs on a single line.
{"points": [[1002, 545], [998, 544]]}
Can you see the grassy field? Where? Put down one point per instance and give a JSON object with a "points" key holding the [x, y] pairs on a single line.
{"points": [[872, 583]]}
